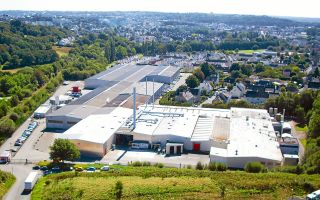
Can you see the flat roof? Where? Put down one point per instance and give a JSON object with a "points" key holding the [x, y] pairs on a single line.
{"points": [[252, 135], [44, 108], [98, 128]]}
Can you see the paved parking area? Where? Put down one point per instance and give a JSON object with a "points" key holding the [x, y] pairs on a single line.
{"points": [[125, 157]]}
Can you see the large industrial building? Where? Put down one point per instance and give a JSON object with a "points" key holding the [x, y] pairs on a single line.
{"points": [[112, 88], [235, 136]]}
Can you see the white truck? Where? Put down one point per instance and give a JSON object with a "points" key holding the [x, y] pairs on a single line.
{"points": [[31, 180], [5, 157]]}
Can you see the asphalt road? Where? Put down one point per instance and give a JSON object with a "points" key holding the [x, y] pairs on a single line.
{"points": [[20, 171], [34, 149]]}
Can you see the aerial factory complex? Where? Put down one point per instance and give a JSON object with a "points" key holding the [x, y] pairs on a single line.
{"points": [[120, 112]]}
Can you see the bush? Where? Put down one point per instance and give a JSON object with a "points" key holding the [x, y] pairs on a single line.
{"points": [[146, 164], [199, 166], [136, 164], [14, 116], [118, 190], [221, 167], [189, 167], [212, 166], [160, 165], [254, 167]]}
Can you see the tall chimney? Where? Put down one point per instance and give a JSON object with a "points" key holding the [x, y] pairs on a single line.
{"points": [[153, 92], [134, 108]]}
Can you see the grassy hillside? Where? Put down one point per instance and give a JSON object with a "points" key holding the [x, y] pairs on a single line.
{"points": [[6, 181], [156, 183]]}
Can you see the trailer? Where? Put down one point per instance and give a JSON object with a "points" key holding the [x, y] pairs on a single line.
{"points": [[5, 156], [31, 180]]}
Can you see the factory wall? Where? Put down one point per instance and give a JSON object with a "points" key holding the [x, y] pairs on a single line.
{"points": [[157, 93], [89, 148], [61, 122], [240, 162], [163, 79]]}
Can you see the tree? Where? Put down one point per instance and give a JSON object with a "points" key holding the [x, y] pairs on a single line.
{"points": [[207, 69], [7, 126], [118, 190], [300, 114], [316, 72], [63, 149], [181, 88], [199, 74], [192, 81], [235, 67], [255, 47]]}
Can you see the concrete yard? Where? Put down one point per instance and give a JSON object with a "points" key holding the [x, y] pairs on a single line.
{"points": [[127, 156]]}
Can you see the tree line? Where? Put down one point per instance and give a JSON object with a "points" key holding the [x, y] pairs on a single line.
{"points": [[24, 45]]}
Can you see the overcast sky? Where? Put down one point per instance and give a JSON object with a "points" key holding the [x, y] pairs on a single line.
{"points": [[299, 8]]}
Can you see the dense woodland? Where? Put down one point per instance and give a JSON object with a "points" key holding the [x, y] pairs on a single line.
{"points": [[25, 45], [23, 91]]}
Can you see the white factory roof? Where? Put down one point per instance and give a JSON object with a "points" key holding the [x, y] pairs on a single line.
{"points": [[252, 135], [43, 109], [179, 121], [98, 128], [246, 132], [144, 87]]}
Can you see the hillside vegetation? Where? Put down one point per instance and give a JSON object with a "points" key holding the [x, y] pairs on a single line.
{"points": [[172, 183], [24, 90], [6, 181]]}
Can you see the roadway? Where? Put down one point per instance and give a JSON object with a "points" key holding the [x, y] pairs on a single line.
{"points": [[34, 149]]}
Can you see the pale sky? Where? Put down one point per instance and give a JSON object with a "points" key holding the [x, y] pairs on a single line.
{"points": [[298, 8]]}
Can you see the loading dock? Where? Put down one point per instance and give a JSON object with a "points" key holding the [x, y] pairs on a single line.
{"points": [[123, 139], [174, 148]]}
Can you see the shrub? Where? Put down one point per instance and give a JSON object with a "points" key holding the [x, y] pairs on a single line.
{"points": [[189, 167], [160, 165], [221, 167], [14, 116], [199, 166], [146, 163], [44, 163], [137, 164], [254, 167], [118, 190], [212, 166]]}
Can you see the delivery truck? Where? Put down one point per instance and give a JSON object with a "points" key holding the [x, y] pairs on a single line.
{"points": [[31, 180]]}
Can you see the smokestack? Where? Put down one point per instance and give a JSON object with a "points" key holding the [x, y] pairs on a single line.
{"points": [[146, 86], [134, 108], [153, 92]]}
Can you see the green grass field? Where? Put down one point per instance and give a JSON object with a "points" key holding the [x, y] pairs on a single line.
{"points": [[61, 51], [6, 181], [249, 51], [171, 183]]}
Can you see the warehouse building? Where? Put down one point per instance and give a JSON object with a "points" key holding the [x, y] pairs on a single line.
{"points": [[235, 136], [94, 135], [112, 88]]}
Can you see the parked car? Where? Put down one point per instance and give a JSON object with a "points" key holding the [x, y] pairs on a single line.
{"points": [[91, 169], [26, 132], [44, 168], [36, 167], [105, 168], [30, 129], [56, 170], [46, 172], [79, 169], [18, 143], [68, 169]]}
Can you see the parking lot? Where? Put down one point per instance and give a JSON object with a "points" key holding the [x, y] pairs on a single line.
{"points": [[35, 148], [126, 156]]}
